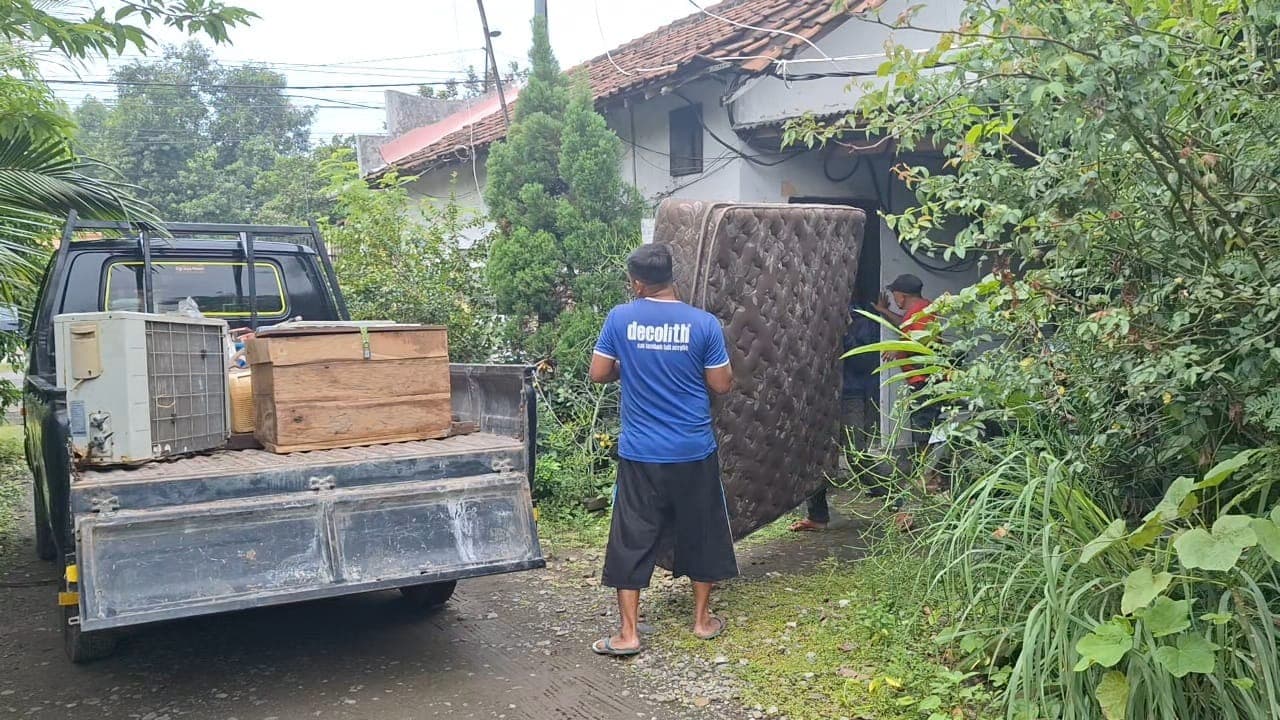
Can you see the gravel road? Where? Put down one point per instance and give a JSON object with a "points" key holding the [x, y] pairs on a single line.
{"points": [[513, 646]]}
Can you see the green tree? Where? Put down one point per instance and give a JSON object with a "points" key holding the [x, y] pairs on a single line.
{"points": [[1115, 162], [406, 261], [197, 136], [563, 214], [76, 33], [41, 179]]}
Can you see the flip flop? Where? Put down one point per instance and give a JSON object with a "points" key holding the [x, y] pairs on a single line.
{"points": [[604, 646], [807, 525], [717, 632]]}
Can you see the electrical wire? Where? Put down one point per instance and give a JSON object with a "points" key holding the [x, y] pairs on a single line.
{"points": [[886, 201], [609, 55], [826, 170], [802, 38], [471, 127], [236, 86], [753, 159]]}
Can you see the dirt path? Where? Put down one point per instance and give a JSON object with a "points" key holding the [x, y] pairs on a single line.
{"points": [[511, 646]]}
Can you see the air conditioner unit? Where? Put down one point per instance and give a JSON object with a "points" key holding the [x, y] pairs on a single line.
{"points": [[142, 387]]}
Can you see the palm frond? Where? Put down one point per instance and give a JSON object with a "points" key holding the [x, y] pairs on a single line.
{"points": [[41, 182], [44, 176]]}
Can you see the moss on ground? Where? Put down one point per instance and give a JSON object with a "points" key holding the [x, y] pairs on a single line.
{"points": [[847, 640]]}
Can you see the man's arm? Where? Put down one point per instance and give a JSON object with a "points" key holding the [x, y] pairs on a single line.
{"points": [[882, 307], [719, 379], [604, 359], [604, 369], [715, 359]]}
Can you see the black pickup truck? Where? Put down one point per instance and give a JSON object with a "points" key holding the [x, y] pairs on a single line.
{"points": [[237, 529]]}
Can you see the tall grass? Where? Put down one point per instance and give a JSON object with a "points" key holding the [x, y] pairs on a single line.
{"points": [[1007, 550]]}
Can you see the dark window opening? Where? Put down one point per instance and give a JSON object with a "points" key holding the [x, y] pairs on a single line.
{"points": [[686, 140]]}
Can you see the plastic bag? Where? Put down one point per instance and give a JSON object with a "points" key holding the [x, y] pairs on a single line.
{"points": [[189, 308]]}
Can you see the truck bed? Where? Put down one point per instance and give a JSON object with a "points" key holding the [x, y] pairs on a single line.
{"points": [[247, 473], [247, 528], [226, 462]]}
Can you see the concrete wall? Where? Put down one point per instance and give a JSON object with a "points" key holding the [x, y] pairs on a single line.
{"points": [[770, 99], [459, 180]]}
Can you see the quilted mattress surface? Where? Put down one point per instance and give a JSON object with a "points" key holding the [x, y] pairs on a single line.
{"points": [[779, 278]]}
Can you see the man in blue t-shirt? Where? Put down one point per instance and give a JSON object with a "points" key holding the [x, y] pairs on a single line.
{"points": [[670, 357]]}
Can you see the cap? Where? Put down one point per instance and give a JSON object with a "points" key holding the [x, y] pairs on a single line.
{"points": [[907, 283]]}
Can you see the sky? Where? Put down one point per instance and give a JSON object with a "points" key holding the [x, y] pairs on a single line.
{"points": [[378, 42]]}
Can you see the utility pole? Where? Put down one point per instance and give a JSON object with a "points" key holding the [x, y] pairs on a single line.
{"points": [[493, 61]]}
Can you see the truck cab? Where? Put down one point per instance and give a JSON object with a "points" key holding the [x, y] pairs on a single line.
{"points": [[237, 529]]}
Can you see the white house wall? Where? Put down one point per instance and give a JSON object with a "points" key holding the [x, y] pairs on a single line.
{"points": [[643, 129], [770, 99], [458, 181]]}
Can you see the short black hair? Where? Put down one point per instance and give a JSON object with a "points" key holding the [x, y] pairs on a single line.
{"points": [[650, 264]]}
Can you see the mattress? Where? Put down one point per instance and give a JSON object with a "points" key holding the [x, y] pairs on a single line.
{"points": [[779, 278]]}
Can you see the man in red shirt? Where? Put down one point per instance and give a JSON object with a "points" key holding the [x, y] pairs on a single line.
{"points": [[907, 295]]}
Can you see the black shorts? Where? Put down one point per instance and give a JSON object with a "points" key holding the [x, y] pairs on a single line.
{"points": [[661, 505]]}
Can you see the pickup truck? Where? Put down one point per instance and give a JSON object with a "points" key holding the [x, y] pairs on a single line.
{"points": [[245, 528]]}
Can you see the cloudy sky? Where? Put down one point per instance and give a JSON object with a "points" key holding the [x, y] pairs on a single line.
{"points": [[383, 42]]}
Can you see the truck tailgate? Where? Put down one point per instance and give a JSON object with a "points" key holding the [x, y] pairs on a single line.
{"points": [[246, 529]]}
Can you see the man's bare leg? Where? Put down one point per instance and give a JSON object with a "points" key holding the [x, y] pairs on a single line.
{"points": [[703, 623], [629, 609]]}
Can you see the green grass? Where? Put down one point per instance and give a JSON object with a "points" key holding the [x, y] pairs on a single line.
{"points": [[849, 640], [581, 530], [13, 478], [774, 531], [574, 530]]}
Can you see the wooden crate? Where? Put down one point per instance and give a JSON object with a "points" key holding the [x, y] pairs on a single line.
{"points": [[322, 388]]}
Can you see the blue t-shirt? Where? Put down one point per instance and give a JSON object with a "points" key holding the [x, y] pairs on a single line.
{"points": [[663, 349]]}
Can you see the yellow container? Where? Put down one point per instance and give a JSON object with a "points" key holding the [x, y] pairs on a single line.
{"points": [[241, 385]]}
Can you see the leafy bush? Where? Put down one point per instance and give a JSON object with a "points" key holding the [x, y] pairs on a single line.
{"points": [[1115, 163], [565, 222], [565, 218], [405, 261]]}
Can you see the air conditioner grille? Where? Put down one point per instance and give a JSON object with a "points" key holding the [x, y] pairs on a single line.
{"points": [[186, 368]]}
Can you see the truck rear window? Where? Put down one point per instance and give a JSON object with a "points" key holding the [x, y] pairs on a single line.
{"points": [[220, 289]]}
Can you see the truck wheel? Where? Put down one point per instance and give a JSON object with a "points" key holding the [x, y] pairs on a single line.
{"points": [[46, 548], [430, 596], [85, 647]]}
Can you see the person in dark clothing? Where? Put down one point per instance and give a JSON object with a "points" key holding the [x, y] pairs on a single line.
{"points": [[859, 403], [907, 291]]}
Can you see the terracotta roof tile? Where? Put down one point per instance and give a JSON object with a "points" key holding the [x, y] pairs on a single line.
{"points": [[681, 46]]}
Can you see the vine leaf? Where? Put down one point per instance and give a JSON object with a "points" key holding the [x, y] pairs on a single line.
{"points": [[1105, 646], [1170, 507], [1113, 695], [1114, 532], [1141, 587], [1167, 617], [1217, 550], [1268, 536], [1193, 654], [1223, 470]]}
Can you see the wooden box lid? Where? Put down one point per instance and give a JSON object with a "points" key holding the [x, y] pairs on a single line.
{"points": [[302, 343]]}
